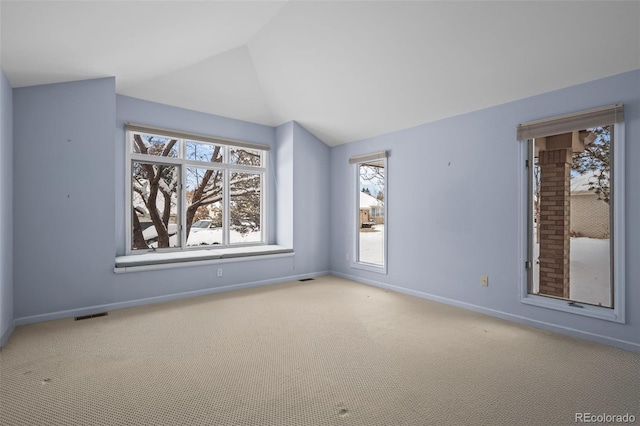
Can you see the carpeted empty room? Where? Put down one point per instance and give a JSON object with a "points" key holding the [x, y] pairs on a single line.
{"points": [[326, 351], [287, 212]]}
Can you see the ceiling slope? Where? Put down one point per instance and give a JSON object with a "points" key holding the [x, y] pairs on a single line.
{"points": [[344, 70], [52, 41], [227, 85], [360, 69]]}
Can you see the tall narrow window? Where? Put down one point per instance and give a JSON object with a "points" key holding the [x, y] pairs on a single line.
{"points": [[370, 210], [575, 217]]}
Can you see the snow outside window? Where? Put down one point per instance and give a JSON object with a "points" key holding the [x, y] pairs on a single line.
{"points": [[575, 238], [371, 236], [184, 193]]}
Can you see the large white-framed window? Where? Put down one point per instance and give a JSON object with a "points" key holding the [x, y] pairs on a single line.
{"points": [[573, 227], [370, 212], [187, 191]]}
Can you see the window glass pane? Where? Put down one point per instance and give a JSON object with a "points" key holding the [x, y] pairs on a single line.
{"points": [[572, 216], [219, 205], [245, 157], [204, 206], [246, 209], [154, 189], [200, 151], [371, 183], [155, 145]]}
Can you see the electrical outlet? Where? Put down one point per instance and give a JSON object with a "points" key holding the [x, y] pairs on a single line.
{"points": [[219, 272], [484, 280]]}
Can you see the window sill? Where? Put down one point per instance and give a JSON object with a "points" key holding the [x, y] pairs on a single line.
{"points": [[152, 261], [578, 309], [370, 267]]}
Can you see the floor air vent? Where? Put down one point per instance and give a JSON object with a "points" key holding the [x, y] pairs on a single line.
{"points": [[306, 279], [84, 317]]}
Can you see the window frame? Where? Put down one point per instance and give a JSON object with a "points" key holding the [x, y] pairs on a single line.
{"points": [[183, 164], [356, 263], [617, 236]]}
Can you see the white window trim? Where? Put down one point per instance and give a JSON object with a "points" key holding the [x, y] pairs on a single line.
{"points": [[181, 163], [356, 263], [617, 313]]}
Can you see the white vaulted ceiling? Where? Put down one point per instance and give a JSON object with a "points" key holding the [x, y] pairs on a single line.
{"points": [[344, 70]]}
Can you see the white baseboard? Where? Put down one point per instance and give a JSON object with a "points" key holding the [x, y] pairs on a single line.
{"points": [[157, 299], [584, 335], [567, 331]]}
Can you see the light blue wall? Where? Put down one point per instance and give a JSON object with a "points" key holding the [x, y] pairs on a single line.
{"points": [[63, 194], [311, 192], [283, 157], [70, 196], [453, 197], [302, 175], [6, 209], [453, 203]]}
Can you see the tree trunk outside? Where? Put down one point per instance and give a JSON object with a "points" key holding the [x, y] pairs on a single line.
{"points": [[138, 238], [163, 235]]}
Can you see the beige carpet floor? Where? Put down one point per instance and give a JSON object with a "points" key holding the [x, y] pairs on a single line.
{"points": [[322, 352]]}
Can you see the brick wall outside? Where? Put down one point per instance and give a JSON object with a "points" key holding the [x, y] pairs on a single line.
{"points": [[554, 226], [589, 216]]}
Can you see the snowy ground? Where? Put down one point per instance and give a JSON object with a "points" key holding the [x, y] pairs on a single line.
{"points": [[205, 236], [590, 268], [589, 272], [212, 236], [372, 245]]}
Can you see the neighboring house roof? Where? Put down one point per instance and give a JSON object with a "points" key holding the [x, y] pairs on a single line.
{"points": [[367, 201], [580, 184]]}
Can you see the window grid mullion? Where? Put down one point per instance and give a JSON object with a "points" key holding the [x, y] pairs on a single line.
{"points": [[263, 202], [226, 224], [182, 164], [154, 159], [128, 220], [183, 198]]}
